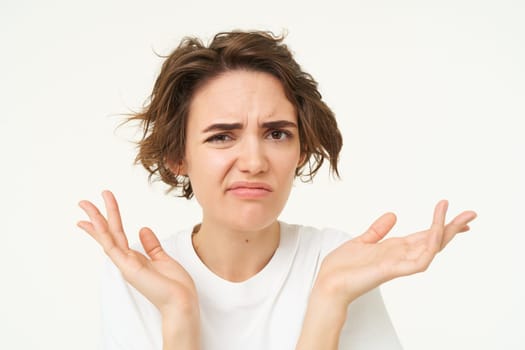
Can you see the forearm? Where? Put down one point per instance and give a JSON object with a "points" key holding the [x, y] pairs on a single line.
{"points": [[180, 335], [322, 324]]}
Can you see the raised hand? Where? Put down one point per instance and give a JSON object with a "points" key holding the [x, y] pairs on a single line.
{"points": [[157, 276], [367, 261], [364, 263]]}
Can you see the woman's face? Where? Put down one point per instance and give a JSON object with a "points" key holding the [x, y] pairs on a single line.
{"points": [[242, 149]]}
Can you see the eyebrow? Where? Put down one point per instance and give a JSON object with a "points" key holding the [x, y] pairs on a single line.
{"points": [[277, 124], [236, 126], [223, 127]]}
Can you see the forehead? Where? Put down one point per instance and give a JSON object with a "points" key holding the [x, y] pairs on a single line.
{"points": [[240, 95]]}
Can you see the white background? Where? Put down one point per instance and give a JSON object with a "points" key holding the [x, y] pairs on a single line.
{"points": [[430, 97]]}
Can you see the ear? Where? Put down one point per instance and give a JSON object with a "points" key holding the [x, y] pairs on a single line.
{"points": [[177, 168], [302, 160]]}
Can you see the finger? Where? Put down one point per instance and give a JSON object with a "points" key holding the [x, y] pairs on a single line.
{"points": [[464, 229], [87, 227], [457, 225], [151, 244], [90, 229], [378, 229], [438, 226], [96, 218], [463, 218], [440, 213], [154, 250], [98, 229], [449, 235], [114, 219]]}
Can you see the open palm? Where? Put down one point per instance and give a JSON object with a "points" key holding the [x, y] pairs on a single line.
{"points": [[157, 276], [367, 261]]}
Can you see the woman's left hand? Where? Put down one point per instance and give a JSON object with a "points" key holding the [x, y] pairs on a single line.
{"points": [[367, 261]]}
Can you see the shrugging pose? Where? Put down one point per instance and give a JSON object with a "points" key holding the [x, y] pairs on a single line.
{"points": [[233, 124]]}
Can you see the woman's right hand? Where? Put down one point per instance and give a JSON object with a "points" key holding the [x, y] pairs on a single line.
{"points": [[157, 276]]}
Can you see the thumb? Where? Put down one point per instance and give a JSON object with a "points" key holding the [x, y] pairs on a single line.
{"points": [[378, 229], [151, 243]]}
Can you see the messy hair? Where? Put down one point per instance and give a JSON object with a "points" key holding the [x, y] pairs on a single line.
{"points": [[192, 64]]}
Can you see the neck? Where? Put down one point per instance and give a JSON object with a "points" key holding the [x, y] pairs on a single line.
{"points": [[235, 255]]}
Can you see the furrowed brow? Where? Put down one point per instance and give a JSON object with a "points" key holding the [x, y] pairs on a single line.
{"points": [[223, 127], [277, 124]]}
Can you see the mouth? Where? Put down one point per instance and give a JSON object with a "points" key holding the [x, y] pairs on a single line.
{"points": [[250, 189]]}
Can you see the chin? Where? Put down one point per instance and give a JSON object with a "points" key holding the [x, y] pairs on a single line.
{"points": [[250, 221]]}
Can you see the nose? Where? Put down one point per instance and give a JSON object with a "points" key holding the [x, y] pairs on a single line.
{"points": [[252, 158]]}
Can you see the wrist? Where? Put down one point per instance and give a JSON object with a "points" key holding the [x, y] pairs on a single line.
{"points": [[331, 292]]}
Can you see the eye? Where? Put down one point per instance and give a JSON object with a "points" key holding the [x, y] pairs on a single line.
{"points": [[279, 134], [219, 138]]}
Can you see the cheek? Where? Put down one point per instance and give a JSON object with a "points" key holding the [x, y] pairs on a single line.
{"points": [[288, 164], [218, 162], [207, 168]]}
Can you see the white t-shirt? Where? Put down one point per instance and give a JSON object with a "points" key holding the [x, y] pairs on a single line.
{"points": [[265, 312]]}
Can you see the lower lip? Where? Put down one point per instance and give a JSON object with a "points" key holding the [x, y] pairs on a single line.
{"points": [[244, 192]]}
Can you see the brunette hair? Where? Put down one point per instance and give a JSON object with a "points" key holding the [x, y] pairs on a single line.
{"points": [[192, 64]]}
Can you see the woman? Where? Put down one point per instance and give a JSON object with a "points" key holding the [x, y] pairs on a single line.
{"points": [[233, 124]]}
